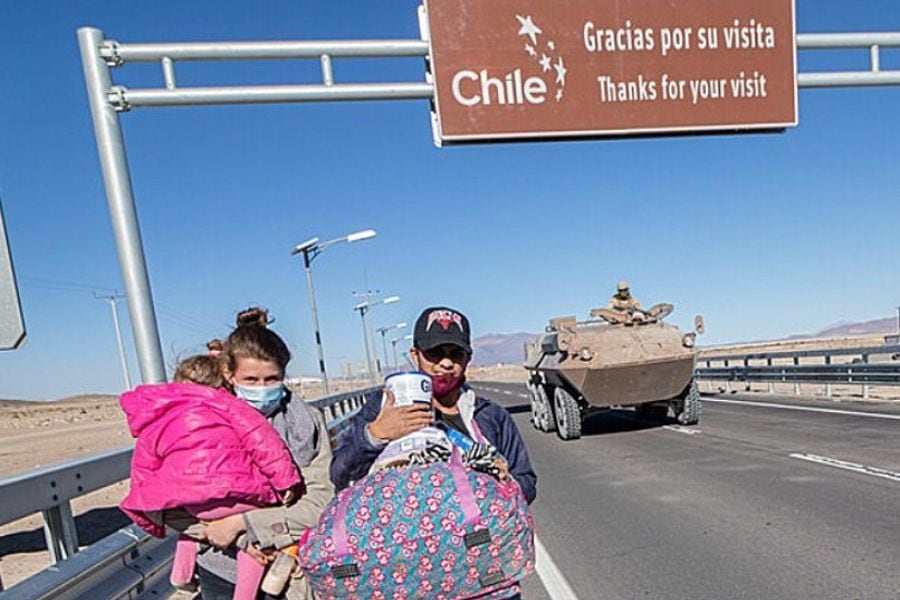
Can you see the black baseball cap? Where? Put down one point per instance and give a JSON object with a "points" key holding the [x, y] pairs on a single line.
{"points": [[439, 325]]}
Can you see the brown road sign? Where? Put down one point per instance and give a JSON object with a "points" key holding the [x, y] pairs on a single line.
{"points": [[508, 69]]}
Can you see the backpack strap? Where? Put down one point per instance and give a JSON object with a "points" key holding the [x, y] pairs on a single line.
{"points": [[464, 489], [339, 533], [476, 432]]}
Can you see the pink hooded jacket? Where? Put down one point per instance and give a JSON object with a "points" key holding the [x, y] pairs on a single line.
{"points": [[199, 446]]}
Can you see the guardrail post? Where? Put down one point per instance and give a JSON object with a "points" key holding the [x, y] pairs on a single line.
{"points": [[746, 380], [727, 381], [828, 389], [771, 384], [60, 532], [865, 359], [796, 385]]}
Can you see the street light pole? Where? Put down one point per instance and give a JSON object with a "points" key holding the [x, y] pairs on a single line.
{"points": [[383, 331], [394, 348], [315, 319], [363, 309], [310, 249], [113, 304], [368, 335]]}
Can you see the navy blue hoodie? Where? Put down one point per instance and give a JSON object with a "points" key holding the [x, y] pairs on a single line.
{"points": [[355, 454]]}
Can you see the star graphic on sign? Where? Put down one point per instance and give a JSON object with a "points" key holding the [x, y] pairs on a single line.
{"points": [[545, 62], [560, 71], [530, 50], [551, 45], [559, 94], [529, 28]]}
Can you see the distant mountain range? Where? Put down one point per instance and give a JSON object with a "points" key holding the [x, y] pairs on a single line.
{"points": [[844, 329], [497, 348], [507, 348]]}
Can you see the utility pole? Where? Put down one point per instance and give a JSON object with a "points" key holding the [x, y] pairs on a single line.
{"points": [[113, 305]]}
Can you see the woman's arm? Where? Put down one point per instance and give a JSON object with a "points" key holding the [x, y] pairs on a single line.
{"points": [[280, 526]]}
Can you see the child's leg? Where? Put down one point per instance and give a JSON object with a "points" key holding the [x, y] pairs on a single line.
{"points": [[249, 577], [183, 563]]}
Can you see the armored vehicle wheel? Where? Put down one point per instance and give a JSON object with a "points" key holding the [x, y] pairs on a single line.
{"points": [[687, 410], [568, 415], [533, 397], [545, 420], [653, 412]]}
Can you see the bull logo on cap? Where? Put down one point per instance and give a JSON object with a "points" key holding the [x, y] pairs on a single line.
{"points": [[444, 318]]}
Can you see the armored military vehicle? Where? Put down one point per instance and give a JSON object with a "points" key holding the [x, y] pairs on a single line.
{"points": [[618, 359]]}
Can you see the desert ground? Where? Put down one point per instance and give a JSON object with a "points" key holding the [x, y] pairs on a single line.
{"points": [[39, 434]]}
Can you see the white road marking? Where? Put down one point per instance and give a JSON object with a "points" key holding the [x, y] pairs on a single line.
{"points": [[523, 395], [853, 413], [554, 581], [507, 392], [679, 429], [849, 466]]}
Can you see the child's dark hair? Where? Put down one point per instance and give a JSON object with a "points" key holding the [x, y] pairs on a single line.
{"points": [[203, 369], [214, 347], [252, 339]]}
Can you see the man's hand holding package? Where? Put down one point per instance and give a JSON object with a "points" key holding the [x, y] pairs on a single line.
{"points": [[393, 422]]}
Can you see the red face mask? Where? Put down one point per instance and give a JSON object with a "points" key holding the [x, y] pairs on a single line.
{"points": [[442, 385]]}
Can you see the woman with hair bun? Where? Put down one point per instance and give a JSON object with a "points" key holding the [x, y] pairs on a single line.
{"points": [[254, 359]]}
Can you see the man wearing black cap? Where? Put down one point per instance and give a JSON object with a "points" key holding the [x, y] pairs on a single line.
{"points": [[441, 349]]}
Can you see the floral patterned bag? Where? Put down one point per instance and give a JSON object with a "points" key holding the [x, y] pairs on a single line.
{"points": [[422, 531]]}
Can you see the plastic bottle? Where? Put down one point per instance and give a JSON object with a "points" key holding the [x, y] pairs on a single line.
{"points": [[280, 571]]}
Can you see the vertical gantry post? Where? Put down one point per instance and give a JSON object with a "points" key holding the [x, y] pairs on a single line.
{"points": [[120, 197]]}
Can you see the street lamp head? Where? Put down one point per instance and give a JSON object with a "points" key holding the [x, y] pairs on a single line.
{"points": [[400, 325], [391, 300], [361, 306], [311, 242], [365, 234]]}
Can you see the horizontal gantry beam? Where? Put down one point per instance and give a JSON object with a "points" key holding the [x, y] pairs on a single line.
{"points": [[167, 54]]}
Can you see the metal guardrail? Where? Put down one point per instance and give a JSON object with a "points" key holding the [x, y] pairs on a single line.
{"points": [[49, 491], [129, 563], [859, 371]]}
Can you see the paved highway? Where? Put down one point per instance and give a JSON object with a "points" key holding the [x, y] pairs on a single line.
{"points": [[771, 498]]}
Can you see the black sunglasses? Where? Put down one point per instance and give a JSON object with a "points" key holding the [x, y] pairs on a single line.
{"points": [[454, 353]]}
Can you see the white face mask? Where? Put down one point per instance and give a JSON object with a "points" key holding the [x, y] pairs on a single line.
{"points": [[265, 399]]}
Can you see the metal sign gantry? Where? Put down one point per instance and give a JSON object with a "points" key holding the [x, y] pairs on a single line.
{"points": [[107, 100]]}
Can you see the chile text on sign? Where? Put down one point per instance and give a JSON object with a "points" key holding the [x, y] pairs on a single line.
{"points": [[514, 69]]}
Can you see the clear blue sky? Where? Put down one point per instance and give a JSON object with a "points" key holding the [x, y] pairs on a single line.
{"points": [[765, 235]]}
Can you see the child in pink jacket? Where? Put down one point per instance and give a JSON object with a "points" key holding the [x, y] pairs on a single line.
{"points": [[202, 454]]}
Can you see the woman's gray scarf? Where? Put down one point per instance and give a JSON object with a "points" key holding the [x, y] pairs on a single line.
{"points": [[296, 425]]}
